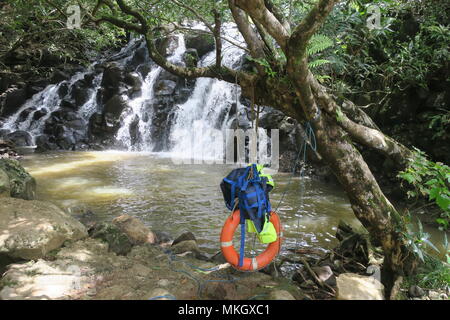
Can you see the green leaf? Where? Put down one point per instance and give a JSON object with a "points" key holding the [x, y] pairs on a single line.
{"points": [[443, 202]]}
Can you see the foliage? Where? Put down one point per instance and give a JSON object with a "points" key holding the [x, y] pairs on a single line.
{"points": [[434, 274], [429, 179], [41, 25], [440, 123]]}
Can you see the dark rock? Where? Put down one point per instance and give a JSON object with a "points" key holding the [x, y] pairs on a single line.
{"points": [[39, 114], [144, 70], [63, 89], [164, 87], [80, 92], [416, 292], [112, 75], [25, 113], [118, 241], [163, 237], [20, 138], [59, 76], [68, 104], [203, 43], [43, 143], [114, 107], [13, 100], [184, 237], [185, 246]]}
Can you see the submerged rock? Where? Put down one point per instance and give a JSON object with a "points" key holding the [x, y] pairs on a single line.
{"points": [[22, 184], [352, 286], [31, 229]]}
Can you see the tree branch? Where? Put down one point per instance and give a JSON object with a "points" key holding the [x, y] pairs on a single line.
{"points": [[250, 36], [217, 26], [258, 11]]}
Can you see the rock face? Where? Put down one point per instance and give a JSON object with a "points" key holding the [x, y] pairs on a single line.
{"points": [[351, 286], [31, 229], [21, 183]]}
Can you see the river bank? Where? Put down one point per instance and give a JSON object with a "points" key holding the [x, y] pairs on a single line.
{"points": [[48, 253]]}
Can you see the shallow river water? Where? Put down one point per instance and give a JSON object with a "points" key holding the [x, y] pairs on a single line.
{"points": [[174, 198]]}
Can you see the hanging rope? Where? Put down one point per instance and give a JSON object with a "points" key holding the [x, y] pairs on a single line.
{"points": [[309, 140]]}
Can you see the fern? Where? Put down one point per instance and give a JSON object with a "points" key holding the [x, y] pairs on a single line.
{"points": [[318, 43], [317, 63]]}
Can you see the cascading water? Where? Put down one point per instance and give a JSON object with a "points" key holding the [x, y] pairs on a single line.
{"points": [[200, 123], [139, 110], [191, 128]]}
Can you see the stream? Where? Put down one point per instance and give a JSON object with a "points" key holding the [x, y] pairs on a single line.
{"points": [[176, 198]]}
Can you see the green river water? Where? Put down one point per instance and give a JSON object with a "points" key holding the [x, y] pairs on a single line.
{"points": [[176, 198]]}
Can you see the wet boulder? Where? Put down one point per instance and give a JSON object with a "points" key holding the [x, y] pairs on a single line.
{"points": [[80, 92], [112, 81], [164, 87], [59, 76], [12, 100], [115, 106], [43, 143], [31, 229], [135, 82], [25, 114], [38, 114], [20, 138], [202, 42]]}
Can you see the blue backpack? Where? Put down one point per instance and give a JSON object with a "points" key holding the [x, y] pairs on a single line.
{"points": [[252, 191]]}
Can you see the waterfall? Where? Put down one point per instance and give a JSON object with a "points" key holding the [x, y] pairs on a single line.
{"points": [[47, 101], [139, 107], [200, 123], [192, 122]]}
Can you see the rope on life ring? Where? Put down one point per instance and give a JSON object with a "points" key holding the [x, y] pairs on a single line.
{"points": [[250, 264]]}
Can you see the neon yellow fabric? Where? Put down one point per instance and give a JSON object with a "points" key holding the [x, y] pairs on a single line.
{"points": [[269, 178], [267, 235]]}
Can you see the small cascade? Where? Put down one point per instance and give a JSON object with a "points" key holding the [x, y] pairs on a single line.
{"points": [[138, 117], [214, 106]]}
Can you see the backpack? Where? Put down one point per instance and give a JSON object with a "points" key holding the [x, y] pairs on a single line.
{"points": [[251, 188]]}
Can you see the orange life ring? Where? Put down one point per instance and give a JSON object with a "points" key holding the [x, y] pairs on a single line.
{"points": [[250, 264]]}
